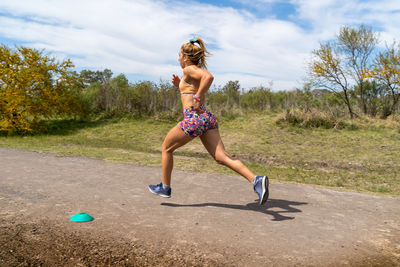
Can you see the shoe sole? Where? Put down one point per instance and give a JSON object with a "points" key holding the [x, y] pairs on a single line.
{"points": [[161, 195], [265, 185]]}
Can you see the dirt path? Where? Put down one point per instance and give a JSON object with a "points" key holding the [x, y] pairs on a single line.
{"points": [[211, 220]]}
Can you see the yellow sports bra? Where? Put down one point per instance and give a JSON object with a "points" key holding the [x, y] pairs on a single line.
{"points": [[186, 88]]}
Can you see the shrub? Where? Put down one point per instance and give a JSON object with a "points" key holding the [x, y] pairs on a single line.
{"points": [[313, 119], [34, 86]]}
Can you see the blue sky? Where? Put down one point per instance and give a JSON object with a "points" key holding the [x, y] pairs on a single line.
{"points": [[278, 9], [258, 42]]}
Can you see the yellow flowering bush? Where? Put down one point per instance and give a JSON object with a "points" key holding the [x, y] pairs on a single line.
{"points": [[34, 86]]}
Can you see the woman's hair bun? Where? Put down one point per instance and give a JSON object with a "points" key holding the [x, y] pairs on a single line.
{"points": [[193, 40]]}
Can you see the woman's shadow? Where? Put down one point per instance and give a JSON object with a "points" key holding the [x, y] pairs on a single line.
{"points": [[284, 205]]}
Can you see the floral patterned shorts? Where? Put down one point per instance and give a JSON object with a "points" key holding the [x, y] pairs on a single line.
{"points": [[195, 124]]}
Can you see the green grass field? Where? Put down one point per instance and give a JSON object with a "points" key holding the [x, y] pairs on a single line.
{"points": [[366, 159]]}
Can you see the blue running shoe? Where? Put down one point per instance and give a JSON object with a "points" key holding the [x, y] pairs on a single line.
{"points": [[159, 190], [261, 188]]}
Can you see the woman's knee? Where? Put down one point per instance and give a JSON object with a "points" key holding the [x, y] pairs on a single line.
{"points": [[222, 158], [166, 148]]}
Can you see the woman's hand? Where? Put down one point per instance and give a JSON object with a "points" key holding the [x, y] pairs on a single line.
{"points": [[175, 80], [197, 106]]}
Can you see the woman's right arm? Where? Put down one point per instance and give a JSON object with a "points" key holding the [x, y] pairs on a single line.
{"points": [[175, 80]]}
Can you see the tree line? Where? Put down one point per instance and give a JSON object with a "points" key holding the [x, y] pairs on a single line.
{"points": [[349, 76], [115, 96]]}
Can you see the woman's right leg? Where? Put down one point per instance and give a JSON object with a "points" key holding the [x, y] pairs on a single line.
{"points": [[213, 143]]}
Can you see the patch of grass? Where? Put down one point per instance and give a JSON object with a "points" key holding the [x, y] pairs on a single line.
{"points": [[364, 158]]}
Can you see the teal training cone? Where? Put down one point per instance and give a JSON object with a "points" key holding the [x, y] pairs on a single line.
{"points": [[81, 217]]}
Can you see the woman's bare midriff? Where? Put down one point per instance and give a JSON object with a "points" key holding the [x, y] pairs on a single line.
{"points": [[187, 101]]}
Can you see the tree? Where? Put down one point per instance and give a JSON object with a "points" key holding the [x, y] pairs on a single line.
{"points": [[356, 45], [342, 64], [327, 70], [232, 90], [90, 77], [257, 98], [35, 86], [386, 70], [374, 96]]}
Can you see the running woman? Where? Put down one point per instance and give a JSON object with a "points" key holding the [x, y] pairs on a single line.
{"points": [[193, 85]]}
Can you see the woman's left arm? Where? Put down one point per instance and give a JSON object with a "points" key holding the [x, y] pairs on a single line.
{"points": [[205, 83], [205, 80]]}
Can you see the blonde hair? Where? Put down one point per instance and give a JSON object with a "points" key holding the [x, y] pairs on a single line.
{"points": [[196, 54]]}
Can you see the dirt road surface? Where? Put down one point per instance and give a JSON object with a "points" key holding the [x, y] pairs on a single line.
{"points": [[211, 219]]}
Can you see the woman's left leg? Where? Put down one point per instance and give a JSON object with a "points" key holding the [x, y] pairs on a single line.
{"points": [[174, 139]]}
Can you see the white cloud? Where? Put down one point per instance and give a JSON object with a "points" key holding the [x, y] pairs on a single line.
{"points": [[143, 37], [385, 16]]}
